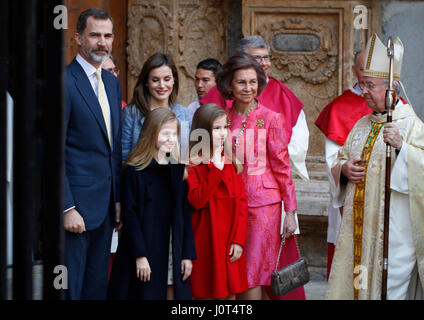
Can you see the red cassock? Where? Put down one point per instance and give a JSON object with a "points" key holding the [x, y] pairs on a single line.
{"points": [[219, 217], [339, 116]]}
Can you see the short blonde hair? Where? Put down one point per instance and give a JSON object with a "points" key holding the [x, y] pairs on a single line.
{"points": [[143, 152]]}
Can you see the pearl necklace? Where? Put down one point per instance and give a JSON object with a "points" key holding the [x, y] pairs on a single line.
{"points": [[243, 123]]}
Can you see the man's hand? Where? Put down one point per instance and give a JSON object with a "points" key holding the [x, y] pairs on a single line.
{"points": [[392, 136], [118, 221], [353, 171], [73, 222]]}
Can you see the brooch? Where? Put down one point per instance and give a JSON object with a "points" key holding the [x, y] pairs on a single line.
{"points": [[260, 123]]}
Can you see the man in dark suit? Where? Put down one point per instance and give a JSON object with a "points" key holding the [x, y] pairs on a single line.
{"points": [[93, 158]]}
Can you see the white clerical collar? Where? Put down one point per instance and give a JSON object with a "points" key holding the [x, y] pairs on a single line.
{"points": [[88, 68], [398, 103]]}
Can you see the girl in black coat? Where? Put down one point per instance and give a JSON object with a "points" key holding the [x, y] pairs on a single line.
{"points": [[153, 259]]}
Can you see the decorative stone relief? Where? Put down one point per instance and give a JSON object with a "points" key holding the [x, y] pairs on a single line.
{"points": [[313, 66], [188, 30], [149, 31], [199, 37], [306, 56]]}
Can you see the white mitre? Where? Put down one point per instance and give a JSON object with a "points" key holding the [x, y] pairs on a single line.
{"points": [[377, 61]]}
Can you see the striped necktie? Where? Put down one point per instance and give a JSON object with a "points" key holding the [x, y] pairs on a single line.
{"points": [[101, 95]]}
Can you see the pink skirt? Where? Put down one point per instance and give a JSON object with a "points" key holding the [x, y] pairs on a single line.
{"points": [[261, 248]]}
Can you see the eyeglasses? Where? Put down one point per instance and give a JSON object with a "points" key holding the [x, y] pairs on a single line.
{"points": [[369, 85], [114, 70], [259, 59]]}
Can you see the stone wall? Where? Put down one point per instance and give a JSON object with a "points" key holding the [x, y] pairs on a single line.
{"points": [[405, 19]]}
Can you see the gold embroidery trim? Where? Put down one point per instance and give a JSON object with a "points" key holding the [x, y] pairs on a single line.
{"points": [[370, 52], [358, 203], [379, 74]]}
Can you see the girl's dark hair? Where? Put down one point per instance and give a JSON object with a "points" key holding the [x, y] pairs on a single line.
{"points": [[141, 94], [203, 118], [239, 60]]}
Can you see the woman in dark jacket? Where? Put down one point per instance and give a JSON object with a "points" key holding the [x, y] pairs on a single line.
{"points": [[153, 260]]}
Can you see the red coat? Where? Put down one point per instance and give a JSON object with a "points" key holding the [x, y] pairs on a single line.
{"points": [[219, 218], [337, 119]]}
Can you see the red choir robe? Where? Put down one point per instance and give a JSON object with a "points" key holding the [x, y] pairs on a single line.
{"points": [[336, 120], [219, 218], [339, 116]]}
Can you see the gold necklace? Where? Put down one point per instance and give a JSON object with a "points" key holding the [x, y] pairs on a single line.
{"points": [[243, 122]]}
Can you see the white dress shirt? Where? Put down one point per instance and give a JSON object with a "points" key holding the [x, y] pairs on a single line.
{"points": [[192, 107]]}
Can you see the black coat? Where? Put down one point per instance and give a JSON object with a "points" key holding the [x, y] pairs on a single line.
{"points": [[154, 200]]}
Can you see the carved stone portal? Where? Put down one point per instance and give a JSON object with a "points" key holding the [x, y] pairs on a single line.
{"points": [[306, 57], [312, 46], [189, 31], [302, 48]]}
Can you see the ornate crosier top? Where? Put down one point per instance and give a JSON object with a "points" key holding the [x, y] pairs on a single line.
{"points": [[243, 123]]}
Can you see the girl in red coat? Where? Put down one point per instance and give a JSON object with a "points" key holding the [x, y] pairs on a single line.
{"points": [[219, 209]]}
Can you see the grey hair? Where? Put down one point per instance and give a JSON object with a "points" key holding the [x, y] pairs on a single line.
{"points": [[253, 42], [396, 85], [357, 53]]}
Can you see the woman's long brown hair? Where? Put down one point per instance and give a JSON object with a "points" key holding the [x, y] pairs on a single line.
{"points": [[141, 94]]}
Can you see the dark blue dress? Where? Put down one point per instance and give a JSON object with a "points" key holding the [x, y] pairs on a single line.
{"points": [[154, 200]]}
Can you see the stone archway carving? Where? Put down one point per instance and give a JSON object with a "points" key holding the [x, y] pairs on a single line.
{"points": [[148, 32], [315, 66], [188, 30]]}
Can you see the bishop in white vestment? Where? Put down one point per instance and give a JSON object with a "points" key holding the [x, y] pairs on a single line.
{"points": [[359, 178]]}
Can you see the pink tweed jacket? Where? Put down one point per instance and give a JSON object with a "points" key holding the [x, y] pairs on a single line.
{"points": [[267, 171]]}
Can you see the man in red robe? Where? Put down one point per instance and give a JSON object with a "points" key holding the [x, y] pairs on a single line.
{"points": [[335, 121], [277, 97]]}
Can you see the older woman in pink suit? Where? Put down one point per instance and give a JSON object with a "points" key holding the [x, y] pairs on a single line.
{"points": [[258, 141]]}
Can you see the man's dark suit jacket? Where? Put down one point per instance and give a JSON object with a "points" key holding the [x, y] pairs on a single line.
{"points": [[93, 168]]}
